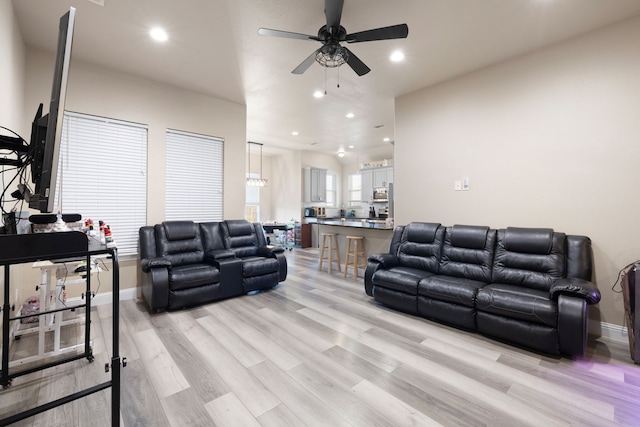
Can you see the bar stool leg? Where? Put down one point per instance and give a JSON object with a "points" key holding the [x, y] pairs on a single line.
{"points": [[346, 258], [337, 249], [333, 252], [324, 239]]}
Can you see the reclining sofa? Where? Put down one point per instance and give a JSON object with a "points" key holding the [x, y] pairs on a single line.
{"points": [[185, 264], [526, 286]]}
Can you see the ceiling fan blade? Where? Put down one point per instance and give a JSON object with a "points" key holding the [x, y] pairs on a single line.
{"points": [[333, 12], [304, 65], [356, 64], [285, 34], [393, 32]]}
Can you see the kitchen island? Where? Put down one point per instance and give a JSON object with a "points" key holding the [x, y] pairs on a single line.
{"points": [[376, 232]]}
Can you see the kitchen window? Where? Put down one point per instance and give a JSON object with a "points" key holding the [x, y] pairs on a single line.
{"points": [[332, 193], [354, 189], [252, 201]]}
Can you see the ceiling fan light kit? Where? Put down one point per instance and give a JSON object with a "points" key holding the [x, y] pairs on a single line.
{"points": [[331, 54]]}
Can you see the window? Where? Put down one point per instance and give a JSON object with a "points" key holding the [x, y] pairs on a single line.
{"points": [[331, 190], [252, 204], [354, 187], [195, 172], [104, 174]]}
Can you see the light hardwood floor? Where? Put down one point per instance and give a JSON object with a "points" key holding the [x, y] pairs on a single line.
{"points": [[316, 350]]}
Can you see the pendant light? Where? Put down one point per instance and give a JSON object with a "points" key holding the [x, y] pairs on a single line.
{"points": [[255, 182]]}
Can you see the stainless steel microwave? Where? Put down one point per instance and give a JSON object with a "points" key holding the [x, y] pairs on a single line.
{"points": [[380, 195]]}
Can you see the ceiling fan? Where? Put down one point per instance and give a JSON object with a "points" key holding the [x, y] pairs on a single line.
{"points": [[331, 54]]}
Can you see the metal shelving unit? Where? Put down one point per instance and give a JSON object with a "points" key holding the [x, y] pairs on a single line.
{"points": [[29, 248]]}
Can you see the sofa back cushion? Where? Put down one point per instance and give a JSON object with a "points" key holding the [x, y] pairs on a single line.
{"points": [[211, 233], [529, 257], [179, 242], [468, 252], [421, 246], [147, 241], [579, 257], [240, 236]]}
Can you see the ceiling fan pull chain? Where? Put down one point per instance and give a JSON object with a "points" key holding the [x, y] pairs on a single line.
{"points": [[338, 77], [325, 81]]}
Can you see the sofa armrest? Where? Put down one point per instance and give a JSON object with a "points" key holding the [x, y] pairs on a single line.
{"points": [[269, 251], [155, 288], [230, 276], [385, 260], [148, 263], [579, 288], [374, 263], [218, 254]]}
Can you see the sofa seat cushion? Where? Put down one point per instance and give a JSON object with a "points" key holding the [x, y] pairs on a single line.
{"points": [[518, 302], [192, 275], [456, 290], [257, 266], [403, 279]]}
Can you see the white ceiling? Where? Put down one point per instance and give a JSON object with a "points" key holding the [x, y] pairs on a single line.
{"points": [[214, 48]]}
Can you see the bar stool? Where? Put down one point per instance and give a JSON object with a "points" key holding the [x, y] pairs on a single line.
{"points": [[354, 255], [332, 246]]}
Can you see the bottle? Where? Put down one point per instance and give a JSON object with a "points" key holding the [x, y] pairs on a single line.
{"points": [[107, 234], [102, 236], [92, 231]]}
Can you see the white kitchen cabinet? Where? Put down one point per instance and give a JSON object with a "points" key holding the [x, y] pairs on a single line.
{"points": [[315, 185], [366, 182], [375, 178], [382, 177]]}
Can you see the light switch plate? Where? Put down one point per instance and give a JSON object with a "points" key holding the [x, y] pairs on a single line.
{"points": [[457, 185]]}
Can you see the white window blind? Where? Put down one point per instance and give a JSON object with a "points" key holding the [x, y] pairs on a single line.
{"points": [[104, 174], [195, 172]]}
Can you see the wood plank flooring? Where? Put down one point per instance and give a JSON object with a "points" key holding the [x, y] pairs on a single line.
{"points": [[317, 351]]}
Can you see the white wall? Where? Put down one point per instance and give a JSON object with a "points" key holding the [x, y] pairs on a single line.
{"points": [[98, 91], [286, 186], [12, 65], [550, 139], [11, 72]]}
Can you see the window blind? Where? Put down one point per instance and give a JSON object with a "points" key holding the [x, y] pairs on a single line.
{"points": [[104, 174], [195, 173]]}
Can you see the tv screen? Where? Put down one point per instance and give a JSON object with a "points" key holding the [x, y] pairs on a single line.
{"points": [[46, 131]]}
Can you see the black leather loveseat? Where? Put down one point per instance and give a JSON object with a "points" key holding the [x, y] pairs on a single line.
{"points": [[528, 286], [185, 264]]}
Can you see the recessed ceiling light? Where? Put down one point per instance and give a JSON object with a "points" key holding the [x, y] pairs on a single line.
{"points": [[318, 94], [387, 139], [350, 115], [158, 34], [397, 56], [340, 153], [352, 146], [295, 133]]}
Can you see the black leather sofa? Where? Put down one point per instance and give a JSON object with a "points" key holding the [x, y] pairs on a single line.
{"points": [[526, 286], [186, 264]]}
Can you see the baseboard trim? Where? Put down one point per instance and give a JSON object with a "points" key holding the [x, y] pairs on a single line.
{"points": [[609, 331], [107, 297]]}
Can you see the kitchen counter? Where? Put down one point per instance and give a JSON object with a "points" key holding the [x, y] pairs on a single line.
{"points": [[370, 223], [376, 232]]}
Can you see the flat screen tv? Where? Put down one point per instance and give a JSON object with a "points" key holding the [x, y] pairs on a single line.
{"points": [[46, 131]]}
